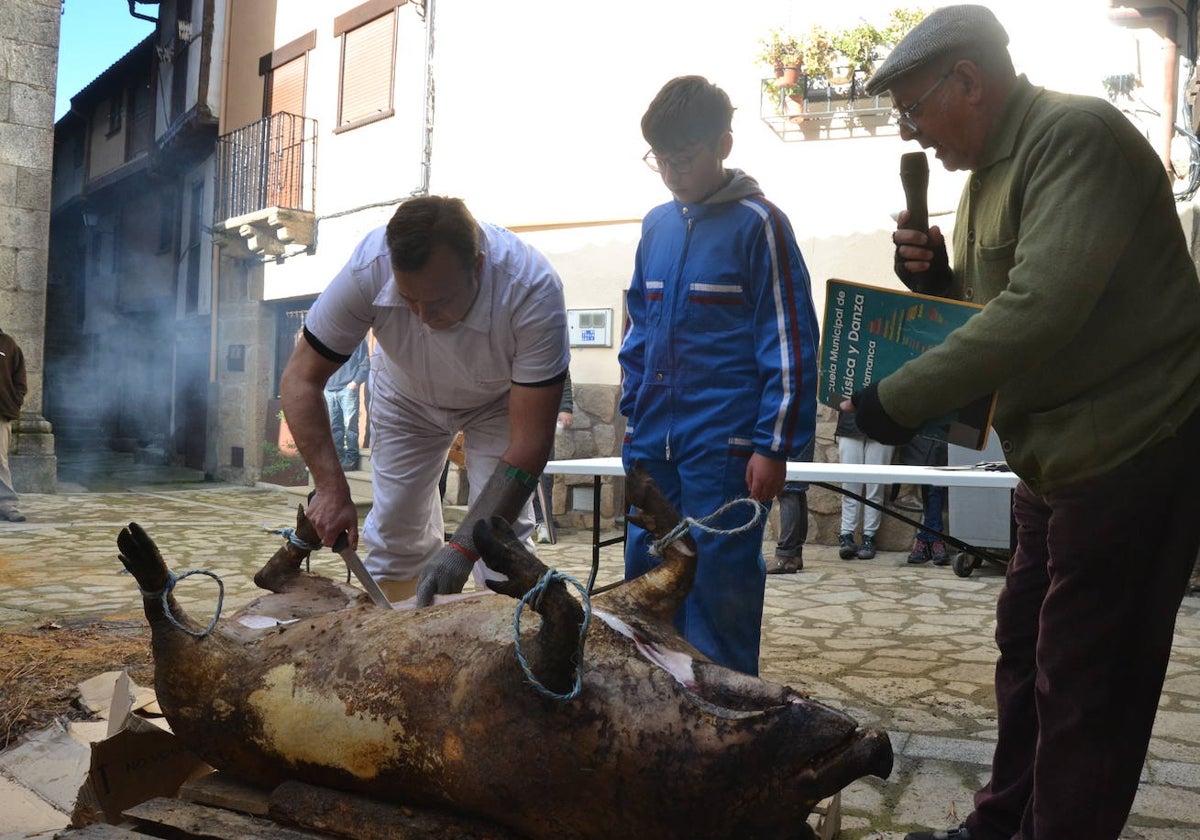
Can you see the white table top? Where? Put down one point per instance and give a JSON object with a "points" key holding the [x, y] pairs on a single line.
{"points": [[836, 473]]}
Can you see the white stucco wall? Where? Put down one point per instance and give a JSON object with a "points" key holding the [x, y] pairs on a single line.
{"points": [[537, 119]]}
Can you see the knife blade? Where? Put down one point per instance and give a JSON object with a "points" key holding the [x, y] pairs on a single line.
{"points": [[342, 546]]}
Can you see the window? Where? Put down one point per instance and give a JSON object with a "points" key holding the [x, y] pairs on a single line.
{"points": [[285, 73], [368, 67], [116, 108]]}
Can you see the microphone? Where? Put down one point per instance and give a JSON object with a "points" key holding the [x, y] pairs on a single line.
{"points": [[914, 177]]}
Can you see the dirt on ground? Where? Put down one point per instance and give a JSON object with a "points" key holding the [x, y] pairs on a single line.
{"points": [[42, 667]]}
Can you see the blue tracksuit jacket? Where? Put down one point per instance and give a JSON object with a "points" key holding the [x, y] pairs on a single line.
{"points": [[719, 362]]}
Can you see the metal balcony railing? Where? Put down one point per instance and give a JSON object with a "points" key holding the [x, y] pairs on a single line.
{"points": [[270, 163], [816, 108]]}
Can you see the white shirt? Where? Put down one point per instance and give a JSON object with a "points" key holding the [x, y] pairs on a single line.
{"points": [[515, 331]]}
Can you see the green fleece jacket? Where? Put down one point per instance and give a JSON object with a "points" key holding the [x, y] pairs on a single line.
{"points": [[1067, 231]]}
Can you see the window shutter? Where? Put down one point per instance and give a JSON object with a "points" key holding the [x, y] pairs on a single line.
{"points": [[287, 87], [368, 59]]}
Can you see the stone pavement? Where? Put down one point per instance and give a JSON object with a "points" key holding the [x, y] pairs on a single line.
{"points": [[908, 649]]}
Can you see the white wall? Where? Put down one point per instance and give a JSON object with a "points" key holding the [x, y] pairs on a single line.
{"points": [[537, 122]]}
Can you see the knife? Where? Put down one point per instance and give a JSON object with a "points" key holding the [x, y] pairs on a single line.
{"points": [[342, 546]]}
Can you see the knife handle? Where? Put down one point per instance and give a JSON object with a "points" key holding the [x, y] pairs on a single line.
{"points": [[343, 540]]}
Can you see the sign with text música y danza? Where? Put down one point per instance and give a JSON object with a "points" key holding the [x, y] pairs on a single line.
{"points": [[869, 332]]}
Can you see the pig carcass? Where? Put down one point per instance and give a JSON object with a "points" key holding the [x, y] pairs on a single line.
{"points": [[432, 707]]}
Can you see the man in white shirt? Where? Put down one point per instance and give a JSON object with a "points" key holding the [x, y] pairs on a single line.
{"points": [[471, 331]]}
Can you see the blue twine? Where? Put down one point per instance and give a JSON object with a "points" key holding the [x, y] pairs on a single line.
{"points": [[687, 522], [172, 579], [290, 533], [536, 593]]}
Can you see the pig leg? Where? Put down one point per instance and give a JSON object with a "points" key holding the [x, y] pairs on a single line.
{"points": [[552, 654], [283, 569], [660, 592], [142, 559]]}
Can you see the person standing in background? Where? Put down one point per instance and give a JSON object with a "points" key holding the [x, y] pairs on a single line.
{"points": [[856, 448], [342, 395], [12, 397], [793, 524]]}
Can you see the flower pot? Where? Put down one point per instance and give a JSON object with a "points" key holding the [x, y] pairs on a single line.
{"points": [[786, 76]]}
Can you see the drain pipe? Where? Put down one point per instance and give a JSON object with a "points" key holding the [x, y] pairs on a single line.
{"points": [[137, 15], [429, 9]]}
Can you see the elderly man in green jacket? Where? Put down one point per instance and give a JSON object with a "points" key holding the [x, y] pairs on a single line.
{"points": [[1067, 232]]}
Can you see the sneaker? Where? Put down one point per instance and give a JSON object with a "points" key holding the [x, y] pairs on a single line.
{"points": [[12, 515], [939, 554], [781, 565], [959, 833], [921, 552], [846, 546], [867, 550]]}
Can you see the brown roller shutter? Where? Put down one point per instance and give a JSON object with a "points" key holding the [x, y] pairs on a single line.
{"points": [[287, 87], [368, 59]]}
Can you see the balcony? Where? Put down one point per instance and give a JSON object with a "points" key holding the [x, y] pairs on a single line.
{"points": [[265, 188], [818, 109]]}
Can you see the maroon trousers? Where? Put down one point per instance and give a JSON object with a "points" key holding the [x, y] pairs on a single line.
{"points": [[1084, 628]]}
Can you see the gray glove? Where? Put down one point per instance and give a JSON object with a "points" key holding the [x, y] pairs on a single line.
{"points": [[504, 495]]}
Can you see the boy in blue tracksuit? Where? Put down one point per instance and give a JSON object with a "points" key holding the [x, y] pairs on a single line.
{"points": [[719, 361]]}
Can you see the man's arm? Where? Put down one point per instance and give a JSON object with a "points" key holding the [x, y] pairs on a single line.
{"points": [[302, 386], [532, 414]]}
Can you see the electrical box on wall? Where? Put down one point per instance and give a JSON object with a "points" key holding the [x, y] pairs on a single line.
{"points": [[590, 327]]}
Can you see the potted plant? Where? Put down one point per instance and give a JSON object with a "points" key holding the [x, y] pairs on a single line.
{"points": [[816, 52], [781, 52]]}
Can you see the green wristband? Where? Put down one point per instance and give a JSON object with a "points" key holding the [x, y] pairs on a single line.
{"points": [[529, 481]]}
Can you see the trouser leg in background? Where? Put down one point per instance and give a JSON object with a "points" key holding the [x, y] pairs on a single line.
{"points": [[861, 451], [337, 422], [793, 523], [1084, 627], [8, 496], [850, 451], [933, 501], [349, 398]]}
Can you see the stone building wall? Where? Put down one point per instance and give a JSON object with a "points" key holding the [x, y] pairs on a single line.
{"points": [[28, 69]]}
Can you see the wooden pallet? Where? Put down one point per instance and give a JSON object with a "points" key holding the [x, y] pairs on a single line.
{"points": [[217, 808]]}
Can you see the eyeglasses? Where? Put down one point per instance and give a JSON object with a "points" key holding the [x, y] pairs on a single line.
{"points": [[904, 118], [682, 164]]}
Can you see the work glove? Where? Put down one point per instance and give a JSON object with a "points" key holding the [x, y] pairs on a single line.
{"points": [[874, 422], [445, 573], [447, 570]]}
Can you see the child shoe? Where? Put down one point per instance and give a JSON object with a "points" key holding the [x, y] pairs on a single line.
{"points": [[867, 550], [846, 546]]}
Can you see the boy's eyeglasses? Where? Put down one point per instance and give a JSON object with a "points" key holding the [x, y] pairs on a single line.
{"points": [[682, 164], [904, 118]]}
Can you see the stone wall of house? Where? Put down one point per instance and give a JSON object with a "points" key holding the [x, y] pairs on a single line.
{"points": [[28, 69], [596, 432]]}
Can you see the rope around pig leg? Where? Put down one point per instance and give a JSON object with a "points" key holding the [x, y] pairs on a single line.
{"points": [[172, 579], [290, 533], [535, 594], [656, 548]]}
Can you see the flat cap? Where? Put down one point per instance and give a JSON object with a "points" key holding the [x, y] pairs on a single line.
{"points": [[945, 30]]}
